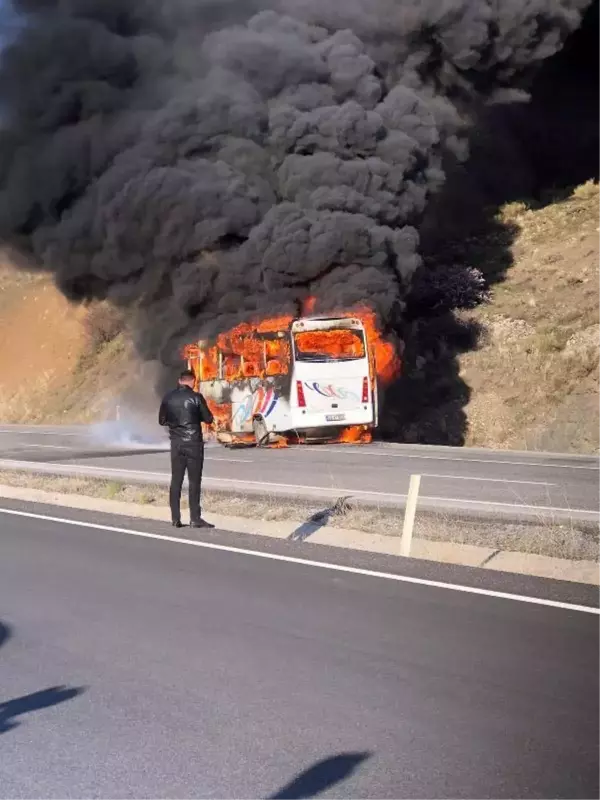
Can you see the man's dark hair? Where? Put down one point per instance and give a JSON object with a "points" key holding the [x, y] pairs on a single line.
{"points": [[186, 375]]}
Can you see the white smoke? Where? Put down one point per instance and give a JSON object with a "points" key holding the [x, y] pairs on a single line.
{"points": [[128, 427]]}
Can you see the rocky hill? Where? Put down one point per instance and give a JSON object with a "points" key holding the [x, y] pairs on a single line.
{"points": [[534, 377]]}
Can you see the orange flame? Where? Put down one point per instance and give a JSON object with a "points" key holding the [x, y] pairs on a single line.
{"points": [[355, 434], [337, 343], [387, 359], [247, 355]]}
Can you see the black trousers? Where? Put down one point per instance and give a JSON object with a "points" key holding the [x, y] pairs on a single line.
{"points": [[186, 456]]}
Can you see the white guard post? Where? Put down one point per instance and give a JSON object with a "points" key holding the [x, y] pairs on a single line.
{"points": [[409, 515]]}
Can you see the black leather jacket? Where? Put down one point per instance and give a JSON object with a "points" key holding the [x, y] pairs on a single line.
{"points": [[182, 410]]}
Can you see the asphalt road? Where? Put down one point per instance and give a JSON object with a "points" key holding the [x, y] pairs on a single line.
{"points": [[139, 667], [525, 484]]}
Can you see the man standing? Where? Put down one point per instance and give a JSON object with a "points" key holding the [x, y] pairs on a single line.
{"points": [[183, 411]]}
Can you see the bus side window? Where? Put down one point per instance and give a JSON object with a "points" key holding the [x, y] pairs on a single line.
{"points": [[250, 369], [274, 367], [277, 355], [209, 368], [254, 357], [232, 366]]}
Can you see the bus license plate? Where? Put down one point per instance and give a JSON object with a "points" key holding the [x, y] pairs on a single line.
{"points": [[335, 417]]}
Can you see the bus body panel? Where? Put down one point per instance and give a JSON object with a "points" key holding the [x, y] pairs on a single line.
{"points": [[266, 399], [332, 393]]}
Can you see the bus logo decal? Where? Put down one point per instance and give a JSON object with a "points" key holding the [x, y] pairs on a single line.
{"points": [[339, 392], [261, 402], [264, 402]]}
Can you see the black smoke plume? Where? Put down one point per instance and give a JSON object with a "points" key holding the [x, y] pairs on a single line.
{"points": [[203, 162]]}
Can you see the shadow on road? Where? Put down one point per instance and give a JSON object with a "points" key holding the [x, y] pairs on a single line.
{"points": [[12, 709], [318, 520], [5, 633], [321, 776]]}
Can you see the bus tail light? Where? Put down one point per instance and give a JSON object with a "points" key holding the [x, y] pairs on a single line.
{"points": [[300, 391], [365, 391]]}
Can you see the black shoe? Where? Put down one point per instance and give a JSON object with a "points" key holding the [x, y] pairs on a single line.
{"points": [[177, 523], [201, 523]]}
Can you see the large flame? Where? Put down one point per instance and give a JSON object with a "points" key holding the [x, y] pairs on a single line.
{"points": [[339, 343], [248, 356], [387, 359], [354, 434], [252, 356]]}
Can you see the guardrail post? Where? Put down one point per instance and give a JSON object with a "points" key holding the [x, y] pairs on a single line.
{"points": [[409, 514]]}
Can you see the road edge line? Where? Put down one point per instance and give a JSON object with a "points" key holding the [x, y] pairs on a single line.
{"points": [[311, 563]]}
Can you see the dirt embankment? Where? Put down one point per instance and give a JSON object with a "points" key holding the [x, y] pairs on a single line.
{"points": [[58, 362], [533, 377]]}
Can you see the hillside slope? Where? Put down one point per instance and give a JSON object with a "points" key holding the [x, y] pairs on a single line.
{"points": [[533, 377], [56, 364]]}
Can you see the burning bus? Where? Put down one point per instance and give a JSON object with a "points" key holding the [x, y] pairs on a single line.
{"points": [[295, 379]]}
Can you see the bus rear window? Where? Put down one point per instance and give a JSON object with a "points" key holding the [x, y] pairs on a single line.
{"points": [[333, 344]]}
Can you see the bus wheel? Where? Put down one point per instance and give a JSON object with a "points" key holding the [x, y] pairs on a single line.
{"points": [[261, 433]]}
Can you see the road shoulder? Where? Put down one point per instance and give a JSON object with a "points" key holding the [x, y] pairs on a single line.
{"points": [[562, 591]]}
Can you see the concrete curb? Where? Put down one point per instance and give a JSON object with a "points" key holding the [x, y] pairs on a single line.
{"points": [[446, 552]]}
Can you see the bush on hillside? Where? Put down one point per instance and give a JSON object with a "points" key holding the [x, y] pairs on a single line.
{"points": [[447, 288], [102, 324]]}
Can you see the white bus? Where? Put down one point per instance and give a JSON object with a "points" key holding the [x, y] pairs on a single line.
{"points": [[310, 379]]}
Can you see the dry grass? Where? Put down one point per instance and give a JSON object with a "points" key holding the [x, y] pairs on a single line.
{"points": [[102, 324], [560, 540], [535, 376], [94, 379], [39, 343], [271, 509], [58, 362], [567, 540]]}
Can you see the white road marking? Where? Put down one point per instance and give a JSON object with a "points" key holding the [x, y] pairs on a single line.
{"points": [[27, 446], [455, 587], [17, 432], [230, 460], [334, 490], [45, 446], [384, 454], [486, 480]]}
